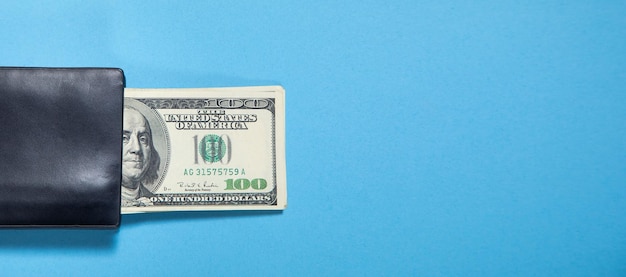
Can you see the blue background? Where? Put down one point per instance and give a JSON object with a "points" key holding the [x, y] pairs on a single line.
{"points": [[424, 138]]}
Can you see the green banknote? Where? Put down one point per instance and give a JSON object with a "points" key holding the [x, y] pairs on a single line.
{"points": [[204, 149]]}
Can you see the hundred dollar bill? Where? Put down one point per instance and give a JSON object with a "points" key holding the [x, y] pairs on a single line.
{"points": [[203, 149]]}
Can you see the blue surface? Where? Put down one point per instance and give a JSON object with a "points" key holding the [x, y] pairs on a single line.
{"points": [[424, 138]]}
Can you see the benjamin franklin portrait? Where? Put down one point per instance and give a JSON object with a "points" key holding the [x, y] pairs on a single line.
{"points": [[140, 159]]}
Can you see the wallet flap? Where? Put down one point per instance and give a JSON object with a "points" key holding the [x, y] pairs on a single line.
{"points": [[60, 146]]}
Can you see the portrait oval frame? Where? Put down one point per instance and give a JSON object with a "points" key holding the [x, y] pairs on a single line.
{"points": [[160, 139]]}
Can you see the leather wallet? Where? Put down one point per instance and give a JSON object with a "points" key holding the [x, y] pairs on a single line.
{"points": [[60, 146]]}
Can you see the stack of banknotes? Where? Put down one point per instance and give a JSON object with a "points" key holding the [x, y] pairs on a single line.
{"points": [[204, 149]]}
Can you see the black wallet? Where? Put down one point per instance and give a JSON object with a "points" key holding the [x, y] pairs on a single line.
{"points": [[60, 146]]}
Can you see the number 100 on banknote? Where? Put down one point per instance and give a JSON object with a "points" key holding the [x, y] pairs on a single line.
{"points": [[203, 149]]}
